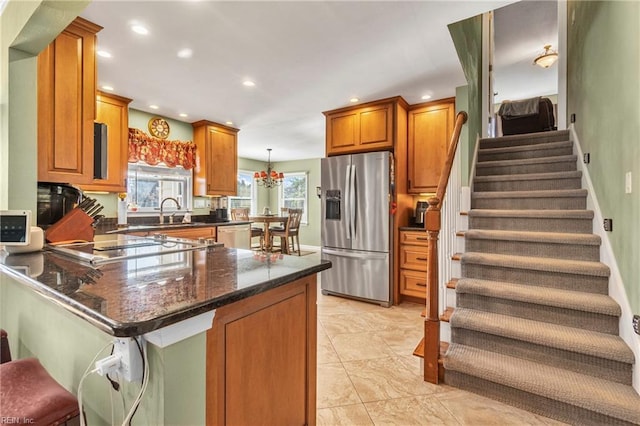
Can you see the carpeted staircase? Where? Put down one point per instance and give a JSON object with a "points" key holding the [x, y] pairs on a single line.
{"points": [[533, 324]]}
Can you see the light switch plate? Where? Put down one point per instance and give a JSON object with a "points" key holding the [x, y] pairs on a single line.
{"points": [[627, 183]]}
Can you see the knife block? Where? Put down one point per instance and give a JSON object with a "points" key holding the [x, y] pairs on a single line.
{"points": [[75, 225]]}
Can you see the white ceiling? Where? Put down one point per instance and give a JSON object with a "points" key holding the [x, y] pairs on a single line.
{"points": [[305, 58]]}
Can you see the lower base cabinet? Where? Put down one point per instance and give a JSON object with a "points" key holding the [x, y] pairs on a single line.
{"points": [[261, 358], [413, 264]]}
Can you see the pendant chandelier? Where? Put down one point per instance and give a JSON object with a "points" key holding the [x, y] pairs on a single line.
{"points": [[269, 178], [547, 58]]}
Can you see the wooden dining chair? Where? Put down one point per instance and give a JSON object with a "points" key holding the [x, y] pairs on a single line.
{"points": [[290, 233], [242, 213]]}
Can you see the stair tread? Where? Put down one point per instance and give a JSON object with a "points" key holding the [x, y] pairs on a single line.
{"points": [[529, 176], [527, 161], [567, 266], [534, 236], [529, 136], [555, 213], [446, 315], [520, 148], [549, 193], [559, 298], [571, 339], [419, 350], [610, 398]]}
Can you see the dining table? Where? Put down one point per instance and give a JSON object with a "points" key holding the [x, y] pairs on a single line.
{"points": [[267, 220]]}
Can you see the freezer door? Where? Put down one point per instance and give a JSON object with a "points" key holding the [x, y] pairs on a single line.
{"points": [[335, 176], [370, 208], [364, 275]]}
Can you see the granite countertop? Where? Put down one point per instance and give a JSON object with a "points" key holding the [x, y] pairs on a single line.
{"points": [[110, 228], [136, 296], [413, 228]]}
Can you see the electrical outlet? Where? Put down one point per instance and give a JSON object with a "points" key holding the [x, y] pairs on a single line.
{"points": [[636, 324], [586, 158], [608, 225], [627, 183], [126, 349], [573, 118]]}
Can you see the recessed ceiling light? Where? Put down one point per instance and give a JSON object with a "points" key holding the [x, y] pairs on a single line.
{"points": [[354, 100], [248, 83], [137, 28], [108, 88], [185, 53], [182, 114], [154, 106], [103, 53], [229, 123], [425, 97]]}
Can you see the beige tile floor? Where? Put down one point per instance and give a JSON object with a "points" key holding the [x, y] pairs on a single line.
{"points": [[367, 374]]}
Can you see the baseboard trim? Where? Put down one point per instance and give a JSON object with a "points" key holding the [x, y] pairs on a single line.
{"points": [[616, 285]]}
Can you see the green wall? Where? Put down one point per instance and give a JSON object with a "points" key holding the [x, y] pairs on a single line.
{"points": [[603, 86], [467, 38], [462, 104]]}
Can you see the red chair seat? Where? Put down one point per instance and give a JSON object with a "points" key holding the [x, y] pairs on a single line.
{"points": [[29, 393]]}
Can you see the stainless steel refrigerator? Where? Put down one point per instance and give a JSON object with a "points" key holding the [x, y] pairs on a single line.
{"points": [[356, 225]]}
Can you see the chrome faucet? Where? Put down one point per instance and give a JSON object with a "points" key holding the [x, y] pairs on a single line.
{"points": [[162, 207]]}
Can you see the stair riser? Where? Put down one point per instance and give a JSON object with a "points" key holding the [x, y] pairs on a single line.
{"points": [[575, 282], [574, 226], [502, 143], [555, 315], [535, 249], [529, 203], [521, 155], [535, 403], [555, 357], [528, 185], [519, 169]]}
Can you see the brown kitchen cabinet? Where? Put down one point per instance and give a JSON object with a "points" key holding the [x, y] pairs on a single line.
{"points": [[113, 110], [216, 172], [66, 105], [261, 358], [374, 126], [430, 127], [189, 233], [413, 264]]}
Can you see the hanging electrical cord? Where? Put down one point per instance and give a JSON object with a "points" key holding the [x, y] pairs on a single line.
{"points": [[143, 387], [86, 374]]}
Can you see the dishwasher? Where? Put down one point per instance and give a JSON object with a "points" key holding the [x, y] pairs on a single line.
{"points": [[235, 236]]}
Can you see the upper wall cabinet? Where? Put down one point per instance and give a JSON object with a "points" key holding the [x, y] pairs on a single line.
{"points": [[430, 127], [113, 110], [366, 127], [66, 105], [216, 172]]}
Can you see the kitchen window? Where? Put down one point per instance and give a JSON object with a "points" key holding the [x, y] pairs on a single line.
{"points": [[246, 197], [147, 186], [293, 193]]}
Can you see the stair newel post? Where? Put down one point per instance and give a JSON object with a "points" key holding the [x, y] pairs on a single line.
{"points": [[432, 320]]}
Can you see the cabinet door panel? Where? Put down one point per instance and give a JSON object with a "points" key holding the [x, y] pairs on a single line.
{"points": [[222, 163], [413, 257], [429, 133], [343, 131], [375, 126], [413, 283]]}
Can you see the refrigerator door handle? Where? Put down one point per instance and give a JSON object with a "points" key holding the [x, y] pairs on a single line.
{"points": [[347, 201], [353, 202], [372, 256]]}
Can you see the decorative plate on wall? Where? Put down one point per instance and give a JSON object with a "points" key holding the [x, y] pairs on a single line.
{"points": [[159, 127]]}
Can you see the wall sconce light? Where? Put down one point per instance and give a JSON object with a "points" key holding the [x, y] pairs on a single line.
{"points": [[319, 191], [546, 59]]}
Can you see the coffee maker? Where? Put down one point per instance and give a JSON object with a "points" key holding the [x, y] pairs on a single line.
{"points": [[54, 201], [420, 212]]}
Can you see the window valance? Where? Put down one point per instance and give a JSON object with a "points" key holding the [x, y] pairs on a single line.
{"points": [[152, 151]]}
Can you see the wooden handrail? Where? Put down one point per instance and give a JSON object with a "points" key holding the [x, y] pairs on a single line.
{"points": [[461, 118], [432, 224]]}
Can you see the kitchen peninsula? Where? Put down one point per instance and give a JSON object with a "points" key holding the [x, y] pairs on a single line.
{"points": [[256, 362]]}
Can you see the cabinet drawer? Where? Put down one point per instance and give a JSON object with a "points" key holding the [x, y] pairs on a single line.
{"points": [[413, 257], [413, 283], [418, 238]]}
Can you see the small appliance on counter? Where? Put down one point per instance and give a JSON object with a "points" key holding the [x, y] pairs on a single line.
{"points": [[54, 201], [420, 212], [16, 233], [219, 215]]}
